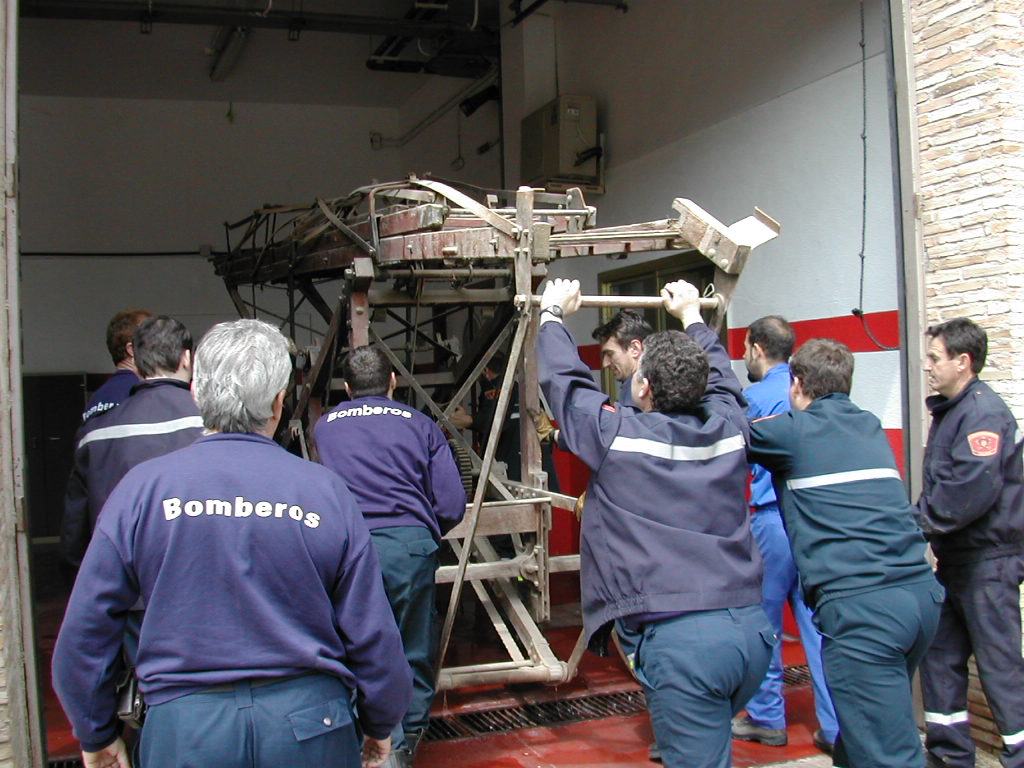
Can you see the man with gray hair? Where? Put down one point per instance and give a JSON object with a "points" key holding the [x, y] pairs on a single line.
{"points": [[266, 623]]}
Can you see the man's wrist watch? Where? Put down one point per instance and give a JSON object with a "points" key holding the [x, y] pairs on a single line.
{"points": [[555, 310]]}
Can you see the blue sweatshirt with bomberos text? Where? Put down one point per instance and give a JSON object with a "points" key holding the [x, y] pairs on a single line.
{"points": [[252, 563], [396, 461]]}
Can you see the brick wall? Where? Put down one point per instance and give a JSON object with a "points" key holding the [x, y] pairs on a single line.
{"points": [[6, 751], [970, 103], [969, 73], [6, 748]]}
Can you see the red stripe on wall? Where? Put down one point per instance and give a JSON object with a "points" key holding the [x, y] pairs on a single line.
{"points": [[896, 443], [885, 326], [591, 355]]}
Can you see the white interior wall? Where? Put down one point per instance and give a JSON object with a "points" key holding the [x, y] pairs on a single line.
{"points": [[154, 175], [147, 175], [126, 146], [798, 158], [731, 104], [735, 105], [434, 151]]}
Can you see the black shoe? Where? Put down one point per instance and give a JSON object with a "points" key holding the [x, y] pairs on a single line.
{"points": [[821, 742], [653, 753], [934, 761], [745, 729]]}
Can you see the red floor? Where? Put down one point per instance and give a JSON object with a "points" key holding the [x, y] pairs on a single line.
{"points": [[614, 742], [620, 742], [50, 597]]}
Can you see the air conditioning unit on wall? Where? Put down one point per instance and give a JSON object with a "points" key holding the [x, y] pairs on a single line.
{"points": [[561, 147]]}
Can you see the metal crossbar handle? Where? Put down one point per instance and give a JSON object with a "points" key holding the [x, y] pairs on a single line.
{"points": [[634, 302]]}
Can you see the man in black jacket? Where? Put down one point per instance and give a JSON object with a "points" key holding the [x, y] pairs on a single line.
{"points": [[972, 510], [159, 416]]}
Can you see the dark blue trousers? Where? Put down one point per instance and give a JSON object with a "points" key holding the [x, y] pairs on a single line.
{"points": [[303, 722], [981, 615], [767, 707], [698, 670], [408, 559], [874, 642]]}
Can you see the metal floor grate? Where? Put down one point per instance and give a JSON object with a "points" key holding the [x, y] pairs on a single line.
{"points": [[535, 715], [470, 724], [796, 675]]}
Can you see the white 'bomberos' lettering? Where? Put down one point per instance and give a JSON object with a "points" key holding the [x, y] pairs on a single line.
{"points": [[369, 410], [218, 507], [174, 507]]}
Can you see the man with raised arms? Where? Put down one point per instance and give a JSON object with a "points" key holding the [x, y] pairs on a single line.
{"points": [[666, 546]]}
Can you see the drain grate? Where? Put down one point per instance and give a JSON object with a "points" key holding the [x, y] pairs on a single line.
{"points": [[535, 715], [540, 714], [796, 675], [72, 762]]}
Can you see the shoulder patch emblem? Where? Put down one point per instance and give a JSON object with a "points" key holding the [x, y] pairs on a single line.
{"points": [[608, 407], [765, 418], [983, 443]]}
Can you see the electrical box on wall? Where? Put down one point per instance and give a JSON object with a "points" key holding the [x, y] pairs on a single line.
{"points": [[561, 147]]}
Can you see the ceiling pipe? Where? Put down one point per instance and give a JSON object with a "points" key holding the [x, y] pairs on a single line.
{"points": [[253, 17], [377, 141]]}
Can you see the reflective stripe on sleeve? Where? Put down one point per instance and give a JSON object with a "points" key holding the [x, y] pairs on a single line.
{"points": [[135, 430], [678, 452], [1013, 739], [952, 718], [836, 478]]}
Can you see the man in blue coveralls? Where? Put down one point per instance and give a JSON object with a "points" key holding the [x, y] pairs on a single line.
{"points": [[267, 634], [972, 510], [666, 544], [860, 555], [398, 465], [766, 350]]}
